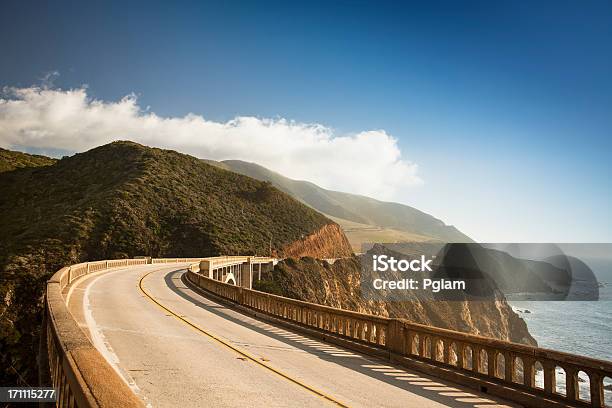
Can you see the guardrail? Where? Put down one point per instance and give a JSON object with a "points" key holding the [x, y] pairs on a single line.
{"points": [[78, 371], [503, 368]]}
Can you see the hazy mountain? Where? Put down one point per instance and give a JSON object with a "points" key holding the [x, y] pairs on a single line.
{"points": [[363, 219]]}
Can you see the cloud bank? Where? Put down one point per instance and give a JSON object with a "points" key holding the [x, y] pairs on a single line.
{"points": [[368, 162]]}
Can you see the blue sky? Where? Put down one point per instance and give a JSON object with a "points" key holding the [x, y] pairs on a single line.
{"points": [[506, 108]]}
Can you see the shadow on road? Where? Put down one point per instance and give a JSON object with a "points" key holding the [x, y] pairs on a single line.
{"points": [[426, 386]]}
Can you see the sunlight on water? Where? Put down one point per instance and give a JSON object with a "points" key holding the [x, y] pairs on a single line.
{"points": [[582, 328]]}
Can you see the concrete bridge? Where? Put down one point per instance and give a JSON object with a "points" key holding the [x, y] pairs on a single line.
{"points": [[191, 332], [236, 269]]}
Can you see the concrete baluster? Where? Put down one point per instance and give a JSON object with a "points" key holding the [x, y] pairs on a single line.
{"points": [[491, 362], [528, 372], [395, 337], [409, 340], [240, 297], [476, 358], [597, 396], [446, 350], [460, 350], [571, 383], [423, 346], [509, 366], [549, 376]]}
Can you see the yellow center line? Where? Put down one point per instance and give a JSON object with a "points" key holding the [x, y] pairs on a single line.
{"points": [[236, 349]]}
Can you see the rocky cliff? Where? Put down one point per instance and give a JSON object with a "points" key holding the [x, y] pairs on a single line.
{"points": [[338, 285], [328, 241]]}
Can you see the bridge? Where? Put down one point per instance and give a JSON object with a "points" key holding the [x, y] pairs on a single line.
{"points": [[192, 332]]}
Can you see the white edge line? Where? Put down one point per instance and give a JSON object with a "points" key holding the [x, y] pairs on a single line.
{"points": [[99, 340]]}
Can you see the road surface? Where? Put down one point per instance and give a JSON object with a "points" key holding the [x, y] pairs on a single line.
{"points": [[176, 348]]}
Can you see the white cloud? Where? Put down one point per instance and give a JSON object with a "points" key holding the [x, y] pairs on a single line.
{"points": [[368, 162]]}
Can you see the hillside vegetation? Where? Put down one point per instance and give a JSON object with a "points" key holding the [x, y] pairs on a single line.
{"points": [[122, 200], [10, 160], [364, 219]]}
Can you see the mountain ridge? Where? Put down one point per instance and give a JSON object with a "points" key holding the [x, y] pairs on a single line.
{"points": [[363, 219], [349, 209], [11, 160]]}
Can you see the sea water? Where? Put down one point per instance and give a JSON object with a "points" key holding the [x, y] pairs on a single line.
{"points": [[576, 327]]}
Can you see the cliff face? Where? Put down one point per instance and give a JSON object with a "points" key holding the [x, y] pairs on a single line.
{"points": [[328, 241], [338, 285]]}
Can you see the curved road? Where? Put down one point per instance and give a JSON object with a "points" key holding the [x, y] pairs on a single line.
{"points": [[192, 351]]}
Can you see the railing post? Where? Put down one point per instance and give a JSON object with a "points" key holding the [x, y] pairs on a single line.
{"points": [[476, 358], [433, 348], [549, 376], [528, 374], [423, 346], [460, 356], [596, 383], [571, 383], [240, 298], [395, 337], [509, 366], [446, 343], [409, 340], [491, 362]]}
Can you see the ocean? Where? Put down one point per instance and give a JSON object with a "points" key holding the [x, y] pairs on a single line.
{"points": [[583, 328]]}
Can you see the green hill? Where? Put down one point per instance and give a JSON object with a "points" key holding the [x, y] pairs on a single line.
{"points": [[10, 160], [122, 200], [363, 219]]}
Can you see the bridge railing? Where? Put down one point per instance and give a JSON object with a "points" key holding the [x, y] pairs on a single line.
{"points": [[84, 378], [174, 260], [510, 366], [80, 374], [370, 329], [77, 370]]}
